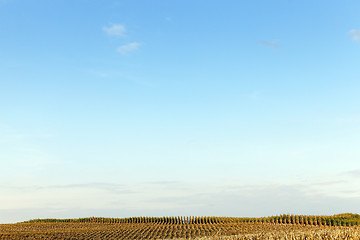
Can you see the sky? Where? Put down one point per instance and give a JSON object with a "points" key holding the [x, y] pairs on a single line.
{"points": [[178, 107]]}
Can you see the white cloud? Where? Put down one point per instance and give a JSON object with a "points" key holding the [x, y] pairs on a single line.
{"points": [[119, 30], [115, 30], [355, 34], [125, 49]]}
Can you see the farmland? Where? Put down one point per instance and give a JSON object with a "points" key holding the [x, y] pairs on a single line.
{"points": [[278, 227]]}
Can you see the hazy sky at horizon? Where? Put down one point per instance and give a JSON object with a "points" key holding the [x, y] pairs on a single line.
{"points": [[135, 107]]}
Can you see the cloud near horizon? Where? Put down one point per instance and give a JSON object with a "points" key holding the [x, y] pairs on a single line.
{"points": [[170, 198], [129, 47], [115, 30]]}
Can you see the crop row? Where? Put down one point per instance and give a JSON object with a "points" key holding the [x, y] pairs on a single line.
{"points": [[336, 220]]}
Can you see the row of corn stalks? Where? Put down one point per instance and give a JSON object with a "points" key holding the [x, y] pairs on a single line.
{"points": [[336, 220]]}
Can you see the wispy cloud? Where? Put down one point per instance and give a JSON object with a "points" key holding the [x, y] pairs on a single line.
{"points": [[110, 187], [355, 34], [115, 30], [172, 198], [273, 44], [129, 47], [329, 183], [353, 173], [119, 30]]}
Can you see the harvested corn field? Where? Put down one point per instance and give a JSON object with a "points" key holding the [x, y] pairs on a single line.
{"points": [[279, 227], [335, 233]]}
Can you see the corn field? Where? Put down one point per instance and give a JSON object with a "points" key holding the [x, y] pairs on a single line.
{"points": [[335, 233], [343, 226]]}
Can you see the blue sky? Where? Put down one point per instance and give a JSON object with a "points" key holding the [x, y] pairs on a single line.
{"points": [[133, 108]]}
